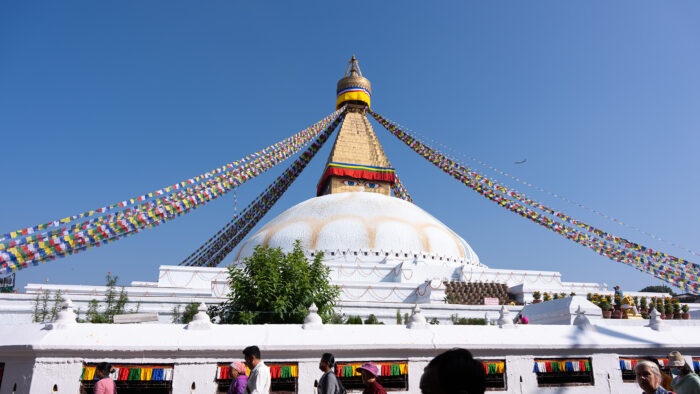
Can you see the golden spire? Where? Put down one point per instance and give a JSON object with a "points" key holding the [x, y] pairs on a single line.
{"points": [[353, 88]]}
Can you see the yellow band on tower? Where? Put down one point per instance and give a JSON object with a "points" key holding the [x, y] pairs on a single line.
{"points": [[354, 95]]}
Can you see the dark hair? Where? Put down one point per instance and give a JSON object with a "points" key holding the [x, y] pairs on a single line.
{"points": [[252, 351], [328, 357], [459, 372], [685, 369], [105, 368]]}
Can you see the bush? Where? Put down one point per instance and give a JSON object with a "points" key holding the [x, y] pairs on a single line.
{"points": [[536, 295], [354, 320], [456, 320], [277, 287], [371, 319]]}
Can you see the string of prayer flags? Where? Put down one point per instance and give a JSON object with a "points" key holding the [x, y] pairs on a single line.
{"points": [[278, 149], [675, 271], [385, 369], [225, 240], [31, 254], [131, 372], [552, 366], [494, 367]]}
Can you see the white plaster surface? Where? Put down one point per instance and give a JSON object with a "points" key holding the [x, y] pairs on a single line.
{"points": [[37, 358], [362, 221]]}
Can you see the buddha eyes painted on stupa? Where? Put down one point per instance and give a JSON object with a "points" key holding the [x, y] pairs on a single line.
{"points": [[369, 185]]}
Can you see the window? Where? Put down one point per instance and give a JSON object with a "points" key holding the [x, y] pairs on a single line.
{"points": [[627, 365], [564, 372], [284, 377], [133, 378], [393, 375], [495, 374]]}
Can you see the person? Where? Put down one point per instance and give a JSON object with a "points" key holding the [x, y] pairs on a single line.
{"points": [[685, 380], [648, 377], [618, 292], [239, 376], [453, 372], [665, 378], [259, 380], [329, 383], [369, 379], [105, 385], [525, 320]]}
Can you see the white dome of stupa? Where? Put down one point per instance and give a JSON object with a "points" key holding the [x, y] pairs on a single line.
{"points": [[362, 223]]}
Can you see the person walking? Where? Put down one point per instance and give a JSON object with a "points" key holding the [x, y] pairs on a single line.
{"points": [[329, 383], [105, 385], [259, 380], [453, 372], [369, 378], [685, 380], [648, 378], [240, 378]]}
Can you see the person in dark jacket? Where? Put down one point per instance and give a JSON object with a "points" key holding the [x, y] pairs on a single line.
{"points": [[329, 383]]}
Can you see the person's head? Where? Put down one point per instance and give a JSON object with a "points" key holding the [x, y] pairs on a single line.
{"points": [[251, 354], [237, 368], [454, 372], [677, 365], [102, 370], [648, 376], [327, 362], [617, 287], [369, 373], [525, 320]]}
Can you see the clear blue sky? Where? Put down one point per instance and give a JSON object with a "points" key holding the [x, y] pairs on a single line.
{"points": [[103, 101]]}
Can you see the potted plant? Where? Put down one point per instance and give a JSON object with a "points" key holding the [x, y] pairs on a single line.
{"points": [[617, 312], [547, 297], [669, 311], [636, 301], [660, 309], [676, 311], [589, 297], [643, 305], [556, 296], [686, 312], [605, 306], [536, 295], [572, 294]]}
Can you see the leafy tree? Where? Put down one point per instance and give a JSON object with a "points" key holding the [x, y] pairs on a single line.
{"points": [[115, 303], [658, 289], [187, 315], [276, 287], [190, 310]]}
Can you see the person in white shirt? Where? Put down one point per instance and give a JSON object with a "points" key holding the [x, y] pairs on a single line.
{"points": [[259, 380]]}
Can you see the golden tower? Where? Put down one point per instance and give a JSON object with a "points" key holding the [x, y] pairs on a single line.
{"points": [[357, 162]]}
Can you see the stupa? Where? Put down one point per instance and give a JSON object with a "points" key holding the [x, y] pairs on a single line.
{"points": [[385, 253]]}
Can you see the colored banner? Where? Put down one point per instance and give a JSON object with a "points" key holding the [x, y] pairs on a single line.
{"points": [[494, 367], [140, 373], [355, 171], [384, 369], [553, 366], [668, 268]]}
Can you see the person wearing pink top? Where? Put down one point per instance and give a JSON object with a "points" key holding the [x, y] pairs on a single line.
{"points": [[105, 385]]}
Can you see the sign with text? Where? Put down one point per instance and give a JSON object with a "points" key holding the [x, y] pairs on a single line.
{"points": [[490, 301]]}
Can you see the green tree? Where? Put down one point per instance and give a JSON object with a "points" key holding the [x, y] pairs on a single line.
{"points": [[115, 303], [658, 289], [276, 287]]}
